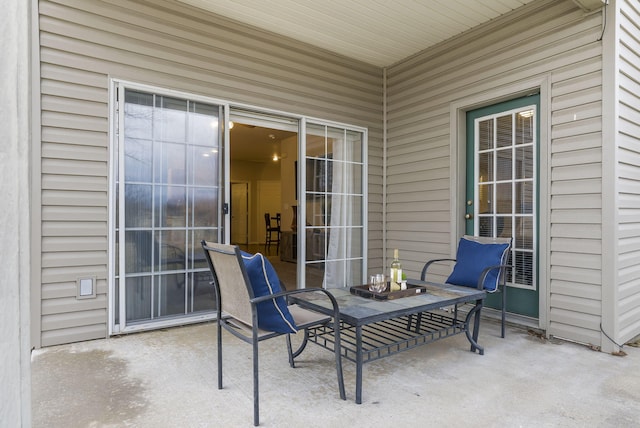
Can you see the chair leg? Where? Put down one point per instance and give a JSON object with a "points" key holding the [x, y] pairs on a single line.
{"points": [[504, 308], [219, 355], [256, 387]]}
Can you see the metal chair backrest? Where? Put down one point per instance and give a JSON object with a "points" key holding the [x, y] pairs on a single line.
{"points": [[231, 281]]}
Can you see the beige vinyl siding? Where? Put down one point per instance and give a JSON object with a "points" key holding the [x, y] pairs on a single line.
{"points": [[628, 138], [84, 43], [550, 39]]}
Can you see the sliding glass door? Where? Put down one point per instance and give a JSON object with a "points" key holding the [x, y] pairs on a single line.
{"points": [[166, 199], [335, 206]]}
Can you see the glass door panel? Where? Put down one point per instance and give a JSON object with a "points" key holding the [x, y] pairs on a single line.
{"points": [[168, 200], [334, 196]]}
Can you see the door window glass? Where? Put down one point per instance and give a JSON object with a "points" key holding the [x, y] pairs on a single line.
{"points": [[169, 149]]}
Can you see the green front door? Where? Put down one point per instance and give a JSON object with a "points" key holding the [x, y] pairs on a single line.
{"points": [[502, 191]]}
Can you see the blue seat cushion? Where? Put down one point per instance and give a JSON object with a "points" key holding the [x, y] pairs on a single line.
{"points": [[273, 315], [472, 258]]}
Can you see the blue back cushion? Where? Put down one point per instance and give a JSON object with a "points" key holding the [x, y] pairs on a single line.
{"points": [[273, 315], [472, 258]]}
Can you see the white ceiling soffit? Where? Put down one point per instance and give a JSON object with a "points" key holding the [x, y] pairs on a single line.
{"points": [[377, 32]]}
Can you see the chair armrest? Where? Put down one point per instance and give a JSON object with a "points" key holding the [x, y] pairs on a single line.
{"points": [[334, 302], [486, 271], [423, 275]]}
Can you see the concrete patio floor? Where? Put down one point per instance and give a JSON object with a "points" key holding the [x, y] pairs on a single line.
{"points": [[167, 378]]}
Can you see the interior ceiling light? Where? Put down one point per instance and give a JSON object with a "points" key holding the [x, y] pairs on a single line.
{"points": [[526, 113], [231, 124], [275, 158]]}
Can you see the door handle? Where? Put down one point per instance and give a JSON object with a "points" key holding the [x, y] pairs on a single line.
{"points": [[468, 216]]}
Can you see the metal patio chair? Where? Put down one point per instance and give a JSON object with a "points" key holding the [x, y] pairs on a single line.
{"points": [[238, 307], [482, 266]]}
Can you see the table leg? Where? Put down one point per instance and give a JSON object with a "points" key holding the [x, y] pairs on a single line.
{"points": [[473, 337], [359, 362]]}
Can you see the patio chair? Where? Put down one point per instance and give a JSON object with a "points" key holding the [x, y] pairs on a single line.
{"points": [[481, 262], [252, 307]]}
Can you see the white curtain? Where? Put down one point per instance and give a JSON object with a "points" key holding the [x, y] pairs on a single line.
{"points": [[337, 266]]}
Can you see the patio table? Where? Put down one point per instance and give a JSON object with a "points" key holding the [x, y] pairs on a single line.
{"points": [[373, 329]]}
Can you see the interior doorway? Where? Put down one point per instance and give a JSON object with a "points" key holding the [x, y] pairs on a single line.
{"points": [[263, 151]]}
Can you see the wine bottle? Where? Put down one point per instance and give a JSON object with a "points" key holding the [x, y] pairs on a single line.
{"points": [[395, 273]]}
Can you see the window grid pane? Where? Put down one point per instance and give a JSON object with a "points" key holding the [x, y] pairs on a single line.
{"points": [[505, 190]]}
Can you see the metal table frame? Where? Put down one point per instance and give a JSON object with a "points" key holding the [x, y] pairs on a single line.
{"points": [[371, 329]]}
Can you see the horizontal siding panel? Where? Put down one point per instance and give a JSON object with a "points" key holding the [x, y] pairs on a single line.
{"points": [[585, 261], [576, 172], [66, 96], [74, 137], [76, 334], [72, 273], [69, 289], [579, 230], [575, 84], [74, 198], [577, 127], [74, 243], [72, 106], [71, 304], [629, 244], [55, 75], [159, 59], [564, 273], [576, 142], [74, 167], [77, 213], [76, 319], [70, 182], [568, 328], [576, 245], [60, 259], [70, 228], [629, 201], [74, 121], [629, 187], [577, 202], [573, 288], [576, 115], [74, 152], [577, 157], [585, 96], [589, 322], [585, 306], [628, 277], [576, 187], [569, 216], [208, 84], [630, 309], [628, 128]]}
